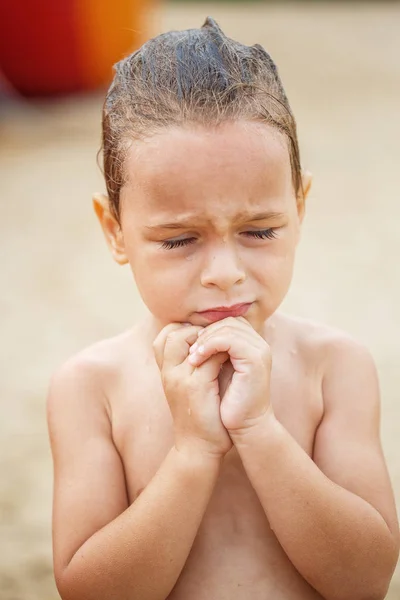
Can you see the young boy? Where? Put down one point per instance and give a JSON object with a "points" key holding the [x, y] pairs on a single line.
{"points": [[219, 449]]}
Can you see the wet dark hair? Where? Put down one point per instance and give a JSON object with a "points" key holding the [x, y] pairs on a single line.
{"points": [[196, 76]]}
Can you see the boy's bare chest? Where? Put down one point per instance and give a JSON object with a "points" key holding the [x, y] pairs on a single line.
{"points": [[235, 536], [143, 427]]}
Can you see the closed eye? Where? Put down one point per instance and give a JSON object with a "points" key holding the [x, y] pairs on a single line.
{"points": [[170, 244], [262, 234]]}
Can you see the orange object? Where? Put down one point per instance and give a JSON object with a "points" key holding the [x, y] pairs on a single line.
{"points": [[106, 32]]}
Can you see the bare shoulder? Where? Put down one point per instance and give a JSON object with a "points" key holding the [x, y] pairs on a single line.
{"points": [[105, 354], [88, 376], [328, 347]]}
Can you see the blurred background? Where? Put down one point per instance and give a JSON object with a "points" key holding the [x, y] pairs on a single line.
{"points": [[60, 290]]}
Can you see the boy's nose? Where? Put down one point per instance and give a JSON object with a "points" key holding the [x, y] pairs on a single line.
{"points": [[222, 269]]}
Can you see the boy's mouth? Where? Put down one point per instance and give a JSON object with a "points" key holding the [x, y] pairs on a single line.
{"points": [[222, 312]]}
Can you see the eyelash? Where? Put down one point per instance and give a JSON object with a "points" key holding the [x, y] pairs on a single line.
{"points": [[260, 235]]}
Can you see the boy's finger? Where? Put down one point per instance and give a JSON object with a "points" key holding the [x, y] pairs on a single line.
{"points": [[239, 323], [177, 344], [185, 330], [159, 342], [240, 349], [211, 368]]}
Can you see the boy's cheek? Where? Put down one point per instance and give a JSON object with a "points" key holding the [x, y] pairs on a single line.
{"points": [[163, 298]]}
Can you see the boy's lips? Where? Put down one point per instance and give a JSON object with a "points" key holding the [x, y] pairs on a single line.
{"points": [[222, 312]]}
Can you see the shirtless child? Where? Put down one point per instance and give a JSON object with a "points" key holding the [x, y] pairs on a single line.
{"points": [[219, 450]]}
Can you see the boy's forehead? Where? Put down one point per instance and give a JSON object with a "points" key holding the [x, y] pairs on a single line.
{"points": [[244, 159]]}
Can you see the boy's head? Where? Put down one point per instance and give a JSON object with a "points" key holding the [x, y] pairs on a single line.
{"points": [[199, 143]]}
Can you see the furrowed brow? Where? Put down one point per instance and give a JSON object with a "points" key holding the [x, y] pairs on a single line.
{"points": [[264, 216], [243, 217], [172, 225]]}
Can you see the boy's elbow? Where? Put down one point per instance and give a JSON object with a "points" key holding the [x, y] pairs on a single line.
{"points": [[63, 588], [66, 585], [69, 585], [368, 590], [380, 572], [380, 587], [379, 592], [77, 584], [373, 584]]}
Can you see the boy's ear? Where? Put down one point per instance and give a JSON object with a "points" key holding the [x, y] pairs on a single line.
{"points": [[111, 228], [306, 179]]}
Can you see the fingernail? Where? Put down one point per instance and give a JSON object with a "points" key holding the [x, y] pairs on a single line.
{"points": [[193, 348], [200, 350]]}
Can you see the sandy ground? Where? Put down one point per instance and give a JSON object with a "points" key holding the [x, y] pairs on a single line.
{"points": [[60, 290]]}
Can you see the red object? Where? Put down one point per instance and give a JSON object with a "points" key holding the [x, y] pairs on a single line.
{"points": [[61, 46], [38, 49]]}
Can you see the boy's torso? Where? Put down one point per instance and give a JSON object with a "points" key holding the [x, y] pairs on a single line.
{"points": [[235, 554]]}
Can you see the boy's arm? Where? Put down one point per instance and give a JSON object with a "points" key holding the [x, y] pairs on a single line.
{"points": [[335, 517], [103, 548]]}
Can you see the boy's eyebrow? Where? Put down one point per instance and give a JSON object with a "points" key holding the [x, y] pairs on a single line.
{"points": [[183, 223]]}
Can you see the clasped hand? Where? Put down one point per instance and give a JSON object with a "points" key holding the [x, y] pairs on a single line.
{"points": [[216, 380]]}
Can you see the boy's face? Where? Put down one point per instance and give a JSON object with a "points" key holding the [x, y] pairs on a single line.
{"points": [[209, 219]]}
